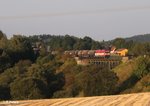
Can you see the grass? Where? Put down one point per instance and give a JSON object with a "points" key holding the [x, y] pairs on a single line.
{"points": [[124, 71]]}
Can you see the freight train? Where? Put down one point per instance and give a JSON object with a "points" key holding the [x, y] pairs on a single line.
{"points": [[97, 53], [88, 53]]}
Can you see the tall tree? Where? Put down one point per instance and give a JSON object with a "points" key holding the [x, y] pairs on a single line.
{"points": [[20, 48]]}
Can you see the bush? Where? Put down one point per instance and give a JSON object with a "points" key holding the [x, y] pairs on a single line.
{"points": [[4, 93], [143, 67], [28, 88], [96, 81]]}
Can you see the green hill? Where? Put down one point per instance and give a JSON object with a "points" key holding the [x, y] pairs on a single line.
{"points": [[134, 76], [140, 38]]}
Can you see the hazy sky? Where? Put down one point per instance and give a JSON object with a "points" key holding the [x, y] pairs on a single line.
{"points": [[99, 19]]}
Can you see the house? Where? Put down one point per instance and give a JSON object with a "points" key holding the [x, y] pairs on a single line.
{"points": [[122, 52]]}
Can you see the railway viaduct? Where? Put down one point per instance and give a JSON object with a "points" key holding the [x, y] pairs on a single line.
{"points": [[104, 62]]}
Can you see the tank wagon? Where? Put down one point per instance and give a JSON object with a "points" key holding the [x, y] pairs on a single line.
{"points": [[88, 53]]}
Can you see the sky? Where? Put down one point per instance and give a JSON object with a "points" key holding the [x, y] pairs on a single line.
{"points": [[99, 19]]}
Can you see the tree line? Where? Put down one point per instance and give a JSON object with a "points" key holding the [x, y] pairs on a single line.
{"points": [[26, 75]]}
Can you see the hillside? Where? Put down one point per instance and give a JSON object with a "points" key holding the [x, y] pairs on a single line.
{"points": [[142, 99], [51, 74], [140, 38], [129, 82]]}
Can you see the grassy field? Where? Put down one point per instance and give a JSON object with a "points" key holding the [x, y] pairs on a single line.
{"points": [[141, 99]]}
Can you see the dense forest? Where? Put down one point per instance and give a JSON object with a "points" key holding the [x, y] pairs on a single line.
{"points": [[26, 74]]}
